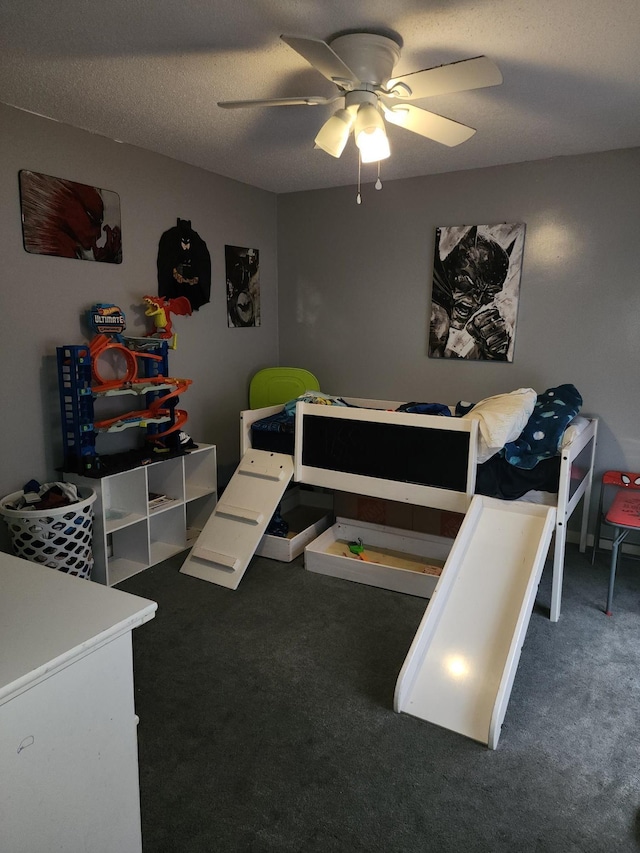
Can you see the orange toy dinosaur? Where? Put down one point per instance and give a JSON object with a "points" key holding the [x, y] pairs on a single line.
{"points": [[160, 309]]}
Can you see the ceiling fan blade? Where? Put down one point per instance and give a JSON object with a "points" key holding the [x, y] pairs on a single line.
{"points": [[455, 77], [323, 58], [278, 102], [440, 129]]}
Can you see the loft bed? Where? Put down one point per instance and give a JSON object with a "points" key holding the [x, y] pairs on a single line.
{"points": [[368, 447]]}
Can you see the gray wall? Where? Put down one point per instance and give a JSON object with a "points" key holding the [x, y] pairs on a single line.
{"points": [[355, 280], [44, 299], [345, 288]]}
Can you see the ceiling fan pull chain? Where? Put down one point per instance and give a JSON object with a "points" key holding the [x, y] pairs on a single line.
{"points": [[359, 195], [378, 183]]}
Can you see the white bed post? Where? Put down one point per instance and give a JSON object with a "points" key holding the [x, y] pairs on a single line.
{"points": [[558, 568], [586, 506], [566, 506], [562, 515]]}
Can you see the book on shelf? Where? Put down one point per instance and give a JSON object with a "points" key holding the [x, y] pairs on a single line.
{"points": [[157, 500]]}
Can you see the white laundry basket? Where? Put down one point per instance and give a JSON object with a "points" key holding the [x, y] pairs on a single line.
{"points": [[59, 538]]}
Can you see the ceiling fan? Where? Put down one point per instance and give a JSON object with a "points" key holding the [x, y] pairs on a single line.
{"points": [[360, 65]]}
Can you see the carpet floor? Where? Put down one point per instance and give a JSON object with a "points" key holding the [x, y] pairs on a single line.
{"points": [[267, 722]]}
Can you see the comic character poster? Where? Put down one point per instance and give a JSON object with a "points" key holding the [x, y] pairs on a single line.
{"points": [[69, 220], [243, 286], [184, 265], [476, 286]]}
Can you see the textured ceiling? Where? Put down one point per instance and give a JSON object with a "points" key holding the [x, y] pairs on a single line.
{"points": [[149, 73]]}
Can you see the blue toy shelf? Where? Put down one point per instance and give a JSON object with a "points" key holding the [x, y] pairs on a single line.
{"points": [[78, 392]]}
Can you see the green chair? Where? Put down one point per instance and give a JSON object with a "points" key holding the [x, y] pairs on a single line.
{"points": [[275, 385]]}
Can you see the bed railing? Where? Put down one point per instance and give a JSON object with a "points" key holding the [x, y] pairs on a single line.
{"points": [[427, 460]]}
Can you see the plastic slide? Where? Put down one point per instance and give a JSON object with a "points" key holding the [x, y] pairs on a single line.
{"points": [[461, 665]]}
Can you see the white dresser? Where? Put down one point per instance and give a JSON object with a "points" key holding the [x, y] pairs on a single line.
{"points": [[68, 741]]}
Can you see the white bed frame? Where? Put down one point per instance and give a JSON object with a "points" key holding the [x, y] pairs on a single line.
{"points": [[576, 466]]}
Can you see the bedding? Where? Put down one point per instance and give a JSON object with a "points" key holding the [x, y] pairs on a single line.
{"points": [[519, 435], [497, 478], [274, 433], [541, 435], [502, 419], [528, 459], [426, 409], [313, 397]]}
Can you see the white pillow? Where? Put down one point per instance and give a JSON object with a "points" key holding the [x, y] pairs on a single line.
{"points": [[502, 419]]}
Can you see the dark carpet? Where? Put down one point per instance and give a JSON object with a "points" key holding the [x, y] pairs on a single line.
{"points": [[267, 722]]}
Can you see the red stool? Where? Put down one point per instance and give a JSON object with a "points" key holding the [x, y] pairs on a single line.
{"points": [[623, 515]]}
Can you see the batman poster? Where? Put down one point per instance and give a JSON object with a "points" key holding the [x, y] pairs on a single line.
{"points": [[184, 265], [475, 293]]}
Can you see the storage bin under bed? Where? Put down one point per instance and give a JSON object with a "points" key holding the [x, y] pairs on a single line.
{"points": [[308, 513], [399, 560]]}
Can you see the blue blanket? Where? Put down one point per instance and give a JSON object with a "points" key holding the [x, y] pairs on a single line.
{"points": [[313, 397], [540, 438], [425, 409]]}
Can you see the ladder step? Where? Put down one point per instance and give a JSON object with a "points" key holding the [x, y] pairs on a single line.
{"points": [[239, 513], [216, 557], [262, 471]]}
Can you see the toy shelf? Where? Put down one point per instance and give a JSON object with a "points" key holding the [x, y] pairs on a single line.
{"points": [[147, 514], [147, 510], [79, 385]]}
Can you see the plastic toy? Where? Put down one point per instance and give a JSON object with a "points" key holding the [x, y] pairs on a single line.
{"points": [[160, 310], [106, 318], [357, 549], [145, 375]]}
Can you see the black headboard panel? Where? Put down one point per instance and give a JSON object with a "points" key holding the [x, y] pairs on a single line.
{"points": [[388, 451]]}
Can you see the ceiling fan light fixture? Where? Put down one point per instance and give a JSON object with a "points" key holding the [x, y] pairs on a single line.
{"points": [[371, 137], [397, 115], [334, 133], [360, 65], [373, 146]]}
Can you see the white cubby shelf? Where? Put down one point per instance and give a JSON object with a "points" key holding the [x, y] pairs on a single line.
{"points": [[145, 515]]}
